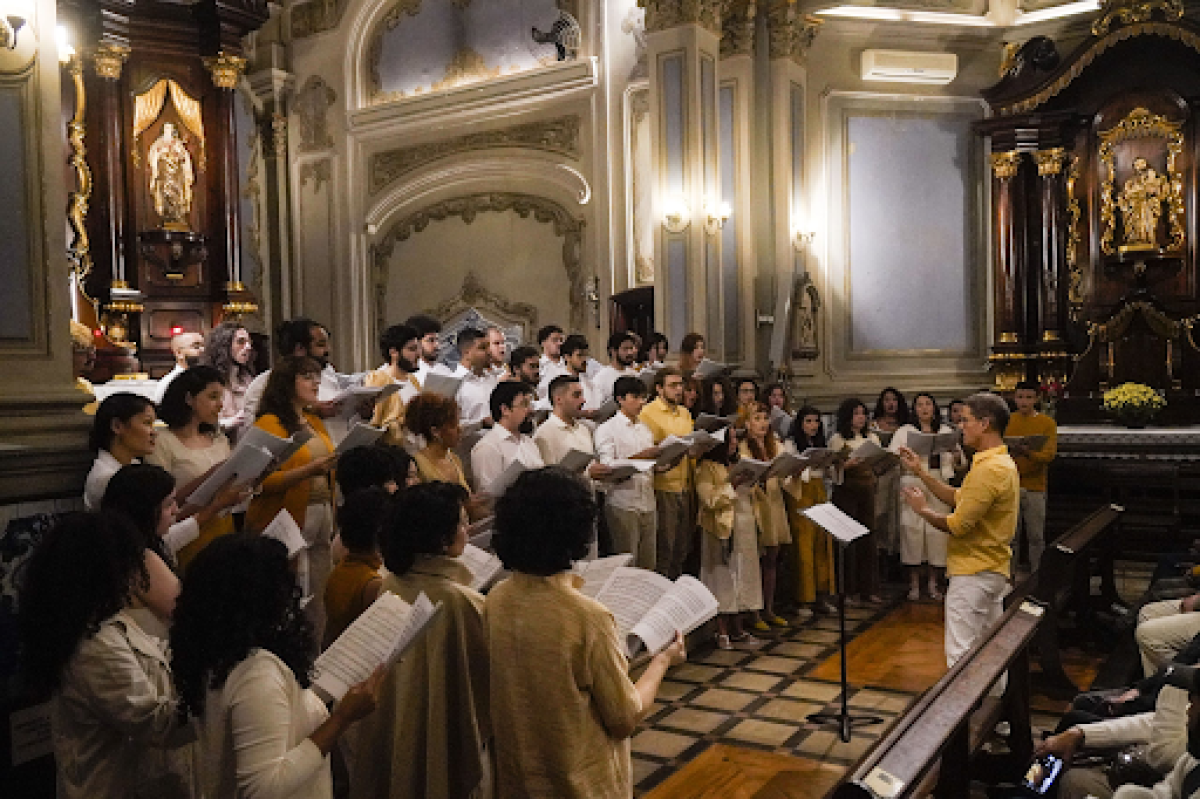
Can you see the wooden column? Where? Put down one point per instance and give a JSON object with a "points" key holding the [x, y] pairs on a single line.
{"points": [[1051, 285], [108, 61], [1009, 272]]}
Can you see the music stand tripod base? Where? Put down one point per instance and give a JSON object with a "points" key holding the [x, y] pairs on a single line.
{"points": [[843, 720]]}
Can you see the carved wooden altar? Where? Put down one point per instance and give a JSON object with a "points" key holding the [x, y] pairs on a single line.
{"points": [[1094, 197], [154, 189]]}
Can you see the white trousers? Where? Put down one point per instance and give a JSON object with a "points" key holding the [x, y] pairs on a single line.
{"points": [[974, 602], [1162, 630]]}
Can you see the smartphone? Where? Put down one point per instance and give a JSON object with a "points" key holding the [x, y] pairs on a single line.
{"points": [[1042, 773]]}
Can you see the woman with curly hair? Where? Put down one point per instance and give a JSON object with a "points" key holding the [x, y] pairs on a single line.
{"points": [[117, 730], [718, 397], [435, 418], [230, 350], [433, 723], [193, 443], [122, 433], [242, 655], [563, 706], [301, 485]]}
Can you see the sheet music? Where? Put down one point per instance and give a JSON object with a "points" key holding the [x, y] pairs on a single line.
{"points": [[712, 423], [630, 593], [243, 467], [284, 528], [595, 573], [576, 461], [686, 606], [506, 478], [446, 385], [708, 368], [361, 435], [484, 566], [836, 523]]}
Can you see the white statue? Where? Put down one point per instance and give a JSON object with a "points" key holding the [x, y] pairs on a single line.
{"points": [[171, 178]]}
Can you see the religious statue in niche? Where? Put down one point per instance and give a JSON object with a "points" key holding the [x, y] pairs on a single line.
{"points": [[1141, 203], [171, 179], [804, 321]]}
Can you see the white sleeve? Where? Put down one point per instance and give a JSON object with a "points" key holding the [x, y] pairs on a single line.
{"points": [[606, 444], [1168, 737], [1124, 731], [181, 534], [93, 489], [486, 464], [260, 720]]}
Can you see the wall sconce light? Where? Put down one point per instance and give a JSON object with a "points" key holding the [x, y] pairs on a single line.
{"points": [[676, 214], [62, 38], [10, 26], [716, 213], [800, 239]]}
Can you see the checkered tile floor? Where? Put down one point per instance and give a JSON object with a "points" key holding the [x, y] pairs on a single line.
{"points": [[759, 700]]}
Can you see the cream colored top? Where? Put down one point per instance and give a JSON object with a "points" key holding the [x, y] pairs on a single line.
{"points": [[563, 706], [183, 462]]}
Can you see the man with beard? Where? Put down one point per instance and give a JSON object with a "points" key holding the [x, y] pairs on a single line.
{"points": [[509, 439], [622, 354], [297, 337], [186, 349], [400, 346], [428, 333], [525, 366], [477, 382]]}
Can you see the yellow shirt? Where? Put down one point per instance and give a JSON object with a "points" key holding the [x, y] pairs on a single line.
{"points": [[1033, 467], [985, 514], [389, 412], [663, 422], [563, 706]]}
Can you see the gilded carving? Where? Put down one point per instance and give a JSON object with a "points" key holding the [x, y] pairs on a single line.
{"points": [[312, 104], [737, 35], [279, 135], [1113, 38], [1074, 240], [79, 253], [467, 66], [1127, 12], [401, 9], [1137, 198], [109, 59], [791, 32], [1050, 162], [664, 14], [559, 135], [226, 69], [473, 293], [468, 208], [316, 16], [1005, 165], [320, 172]]}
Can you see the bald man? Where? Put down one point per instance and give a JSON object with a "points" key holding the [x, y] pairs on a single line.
{"points": [[187, 349]]}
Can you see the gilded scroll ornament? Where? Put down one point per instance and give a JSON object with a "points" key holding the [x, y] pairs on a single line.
{"points": [[737, 36], [1050, 162], [171, 179], [1005, 165], [109, 59], [790, 33], [1141, 198], [1127, 12], [665, 14], [226, 69], [1074, 239], [79, 252]]}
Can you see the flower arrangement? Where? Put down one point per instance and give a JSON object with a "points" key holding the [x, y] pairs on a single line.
{"points": [[1133, 404]]}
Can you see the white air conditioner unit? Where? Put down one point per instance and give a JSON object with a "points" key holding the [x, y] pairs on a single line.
{"points": [[899, 66]]}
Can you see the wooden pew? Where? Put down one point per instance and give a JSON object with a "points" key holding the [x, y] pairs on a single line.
{"points": [[1062, 582], [939, 726]]}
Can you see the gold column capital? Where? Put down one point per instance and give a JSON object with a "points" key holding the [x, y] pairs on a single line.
{"points": [[662, 15], [1005, 165], [226, 69], [109, 59], [1050, 162], [790, 32]]}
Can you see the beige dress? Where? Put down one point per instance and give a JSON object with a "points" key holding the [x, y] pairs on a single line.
{"points": [[427, 736], [770, 511], [729, 540], [186, 464]]}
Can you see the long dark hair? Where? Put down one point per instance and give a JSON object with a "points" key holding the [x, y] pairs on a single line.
{"points": [[218, 350], [86, 569], [138, 491], [845, 417], [728, 405], [279, 396], [425, 522], [174, 408], [802, 441], [119, 407], [901, 406], [937, 413], [239, 594]]}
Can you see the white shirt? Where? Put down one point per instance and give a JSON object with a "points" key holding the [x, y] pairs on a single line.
{"points": [[104, 467], [474, 395], [175, 372], [550, 370], [254, 734], [496, 451], [555, 439], [618, 438], [423, 368], [591, 397], [606, 378]]}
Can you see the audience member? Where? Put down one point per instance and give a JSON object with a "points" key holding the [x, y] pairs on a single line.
{"points": [[562, 705], [665, 416], [301, 484], [113, 711], [854, 495], [508, 440], [729, 561], [629, 504], [1033, 464], [230, 350], [122, 433], [428, 737], [242, 655], [401, 348]]}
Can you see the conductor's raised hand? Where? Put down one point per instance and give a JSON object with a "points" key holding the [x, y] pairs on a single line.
{"points": [[910, 459], [915, 497]]}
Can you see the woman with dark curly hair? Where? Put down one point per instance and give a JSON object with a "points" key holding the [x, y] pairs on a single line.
{"points": [[301, 485], [854, 495], [113, 708], [193, 444], [242, 654], [122, 433], [230, 350], [435, 418], [718, 397], [433, 722], [563, 706]]}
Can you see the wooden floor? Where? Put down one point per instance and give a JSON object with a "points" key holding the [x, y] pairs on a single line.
{"points": [[731, 772], [903, 652]]}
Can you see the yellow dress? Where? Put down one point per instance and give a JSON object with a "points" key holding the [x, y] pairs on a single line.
{"points": [[814, 546], [428, 472], [770, 512]]}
